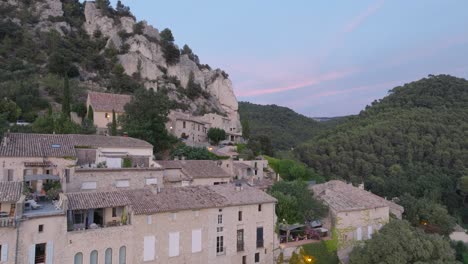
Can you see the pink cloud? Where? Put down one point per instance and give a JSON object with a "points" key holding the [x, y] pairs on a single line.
{"points": [[357, 21], [311, 82]]}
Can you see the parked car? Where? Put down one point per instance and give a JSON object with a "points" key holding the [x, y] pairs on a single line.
{"points": [[22, 123]]}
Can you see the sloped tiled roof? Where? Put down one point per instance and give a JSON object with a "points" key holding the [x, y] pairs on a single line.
{"points": [[94, 200], [196, 168], [147, 201], [10, 191], [107, 102], [342, 197], [60, 145]]}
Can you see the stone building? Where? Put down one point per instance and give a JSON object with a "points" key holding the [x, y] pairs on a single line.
{"points": [[103, 104], [355, 214], [130, 213]]}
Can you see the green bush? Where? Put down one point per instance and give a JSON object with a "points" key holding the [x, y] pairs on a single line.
{"points": [[216, 135], [321, 253]]}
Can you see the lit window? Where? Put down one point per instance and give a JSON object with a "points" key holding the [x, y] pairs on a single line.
{"points": [[106, 115]]}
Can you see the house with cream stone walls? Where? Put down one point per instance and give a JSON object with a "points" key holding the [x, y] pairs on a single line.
{"points": [[355, 213], [131, 213], [103, 104]]}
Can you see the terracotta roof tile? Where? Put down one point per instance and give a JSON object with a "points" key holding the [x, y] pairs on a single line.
{"points": [[10, 191], [94, 200], [108, 102], [196, 168], [342, 197], [60, 145]]}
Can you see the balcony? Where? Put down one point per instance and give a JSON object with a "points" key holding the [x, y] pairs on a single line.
{"points": [[259, 243], [221, 251], [7, 222], [240, 246]]}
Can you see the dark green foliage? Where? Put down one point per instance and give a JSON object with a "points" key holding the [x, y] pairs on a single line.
{"points": [[122, 10], [296, 203], [146, 116], [66, 98], [285, 128], [122, 83], [127, 162], [186, 50], [427, 214], [105, 6], [57, 123], [90, 113], [245, 129], [291, 170], [171, 52], [320, 253], [192, 153], [113, 130], [261, 145], [79, 109], [216, 135], [87, 127], [412, 141], [138, 28], [9, 110], [194, 89], [461, 251], [399, 242]]}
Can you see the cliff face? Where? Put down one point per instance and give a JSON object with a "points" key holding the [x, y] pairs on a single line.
{"points": [[145, 56], [138, 48]]}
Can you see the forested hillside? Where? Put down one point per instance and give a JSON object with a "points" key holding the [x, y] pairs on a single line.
{"points": [[285, 128], [413, 141]]}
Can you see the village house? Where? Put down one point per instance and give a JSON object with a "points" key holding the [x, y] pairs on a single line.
{"points": [[194, 172], [355, 213], [103, 104]]}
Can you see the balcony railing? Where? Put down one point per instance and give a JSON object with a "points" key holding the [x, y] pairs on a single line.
{"points": [[221, 251], [259, 243], [7, 222], [240, 246]]}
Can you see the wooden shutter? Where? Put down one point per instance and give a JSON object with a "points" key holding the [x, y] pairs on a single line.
{"points": [[196, 240], [173, 244], [149, 248]]}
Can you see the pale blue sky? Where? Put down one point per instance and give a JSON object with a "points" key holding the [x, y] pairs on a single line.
{"points": [[320, 58]]}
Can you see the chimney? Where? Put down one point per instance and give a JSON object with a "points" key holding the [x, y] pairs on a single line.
{"points": [[6, 138]]}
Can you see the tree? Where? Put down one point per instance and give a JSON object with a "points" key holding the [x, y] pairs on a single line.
{"points": [[425, 213], [170, 52], [90, 113], [9, 110], [114, 124], [216, 135], [146, 116], [193, 89], [166, 35], [122, 10], [104, 5], [87, 127], [296, 203], [186, 50], [66, 98], [192, 153], [399, 242], [57, 123], [245, 129]]}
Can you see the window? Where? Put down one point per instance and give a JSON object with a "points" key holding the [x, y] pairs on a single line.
{"points": [[219, 244], [151, 181], [173, 244], [93, 258], [256, 172], [219, 229], [244, 259], [41, 228], [359, 233], [240, 240], [149, 219], [108, 256], [257, 257], [259, 237], [122, 183], [78, 217], [173, 216], [220, 219], [4, 252], [149, 248], [114, 211], [78, 258], [259, 207], [106, 115], [369, 232], [183, 124], [196, 240], [10, 175], [123, 255], [67, 175], [240, 216]]}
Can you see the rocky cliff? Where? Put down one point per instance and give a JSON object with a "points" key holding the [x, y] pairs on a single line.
{"points": [[138, 48]]}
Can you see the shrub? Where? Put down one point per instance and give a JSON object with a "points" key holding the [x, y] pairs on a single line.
{"points": [[216, 134]]}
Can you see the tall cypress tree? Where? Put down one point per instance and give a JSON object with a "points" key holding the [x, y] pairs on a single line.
{"points": [[66, 98], [90, 113], [114, 124]]}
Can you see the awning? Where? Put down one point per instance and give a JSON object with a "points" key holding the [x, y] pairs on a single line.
{"points": [[290, 227], [36, 177]]}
